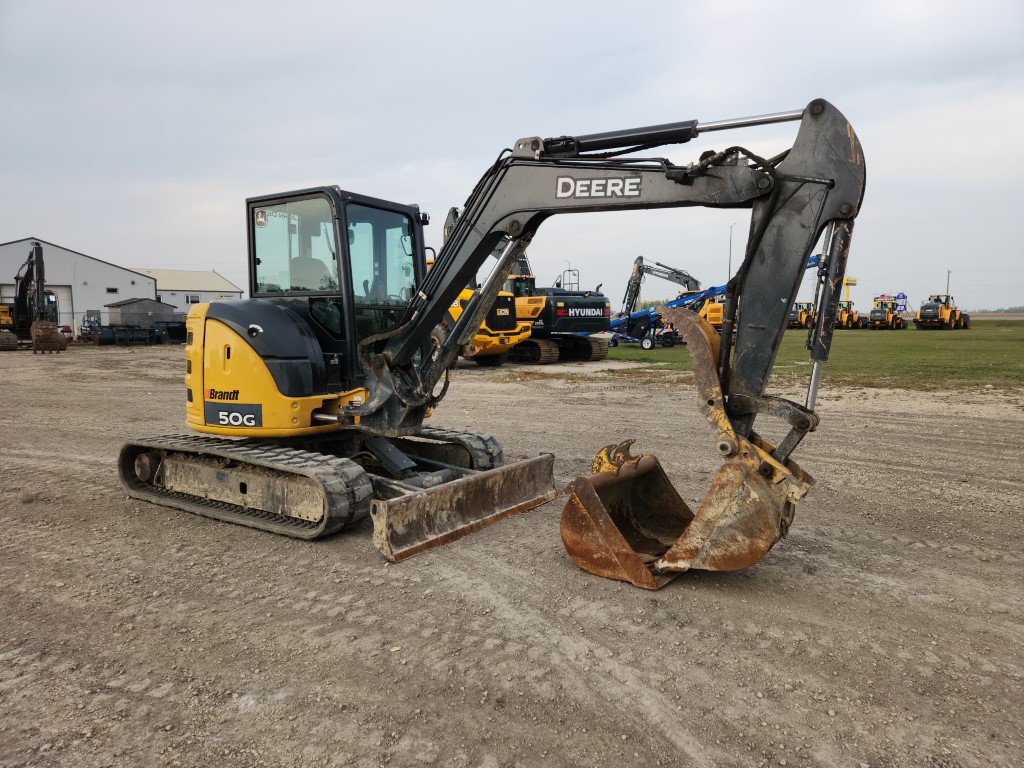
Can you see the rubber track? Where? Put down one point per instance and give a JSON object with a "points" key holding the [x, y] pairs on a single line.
{"points": [[548, 352], [486, 452], [598, 349], [345, 486], [582, 349]]}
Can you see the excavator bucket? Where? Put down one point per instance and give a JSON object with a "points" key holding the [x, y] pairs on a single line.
{"points": [[627, 522], [46, 338], [413, 522], [620, 520]]}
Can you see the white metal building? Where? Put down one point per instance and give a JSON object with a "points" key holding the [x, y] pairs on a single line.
{"points": [[184, 287], [82, 283]]}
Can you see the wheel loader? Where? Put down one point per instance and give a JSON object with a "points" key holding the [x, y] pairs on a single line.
{"points": [[885, 314], [848, 317], [801, 315], [940, 312], [308, 401], [8, 339]]}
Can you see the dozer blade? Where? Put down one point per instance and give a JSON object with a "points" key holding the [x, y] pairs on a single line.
{"points": [[627, 522], [414, 522]]}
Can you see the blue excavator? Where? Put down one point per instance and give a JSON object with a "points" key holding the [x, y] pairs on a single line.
{"points": [[644, 326]]}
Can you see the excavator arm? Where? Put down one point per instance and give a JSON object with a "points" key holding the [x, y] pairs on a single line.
{"points": [[816, 184], [633, 287], [626, 521]]}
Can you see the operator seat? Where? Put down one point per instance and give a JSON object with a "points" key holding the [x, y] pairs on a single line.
{"points": [[309, 274]]}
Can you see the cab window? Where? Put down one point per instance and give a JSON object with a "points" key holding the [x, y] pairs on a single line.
{"points": [[381, 252], [294, 247]]}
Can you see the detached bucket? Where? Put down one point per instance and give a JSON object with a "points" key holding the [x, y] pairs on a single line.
{"points": [[627, 522], [617, 523]]}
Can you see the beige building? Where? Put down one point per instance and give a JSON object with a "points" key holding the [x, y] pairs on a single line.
{"points": [[181, 288]]}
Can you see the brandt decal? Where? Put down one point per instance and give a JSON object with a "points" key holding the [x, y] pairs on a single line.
{"points": [[221, 394]]}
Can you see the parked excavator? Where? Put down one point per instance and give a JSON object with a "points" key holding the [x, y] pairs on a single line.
{"points": [[331, 386], [561, 318], [647, 328], [31, 319], [500, 332]]}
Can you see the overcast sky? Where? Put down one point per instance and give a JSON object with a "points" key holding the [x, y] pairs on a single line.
{"points": [[134, 131]]}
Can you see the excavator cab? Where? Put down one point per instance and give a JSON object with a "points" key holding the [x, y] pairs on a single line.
{"points": [[332, 275]]}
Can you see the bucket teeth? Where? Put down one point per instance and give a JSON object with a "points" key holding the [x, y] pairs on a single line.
{"points": [[613, 457]]}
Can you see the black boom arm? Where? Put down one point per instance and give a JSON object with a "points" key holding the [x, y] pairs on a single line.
{"points": [[793, 197]]}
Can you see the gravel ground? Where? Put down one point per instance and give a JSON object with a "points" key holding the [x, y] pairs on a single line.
{"points": [[885, 630]]}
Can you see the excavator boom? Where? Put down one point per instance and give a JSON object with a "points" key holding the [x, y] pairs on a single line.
{"points": [[818, 182]]}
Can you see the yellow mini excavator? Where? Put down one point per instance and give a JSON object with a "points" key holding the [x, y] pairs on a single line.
{"points": [[502, 329], [309, 398]]}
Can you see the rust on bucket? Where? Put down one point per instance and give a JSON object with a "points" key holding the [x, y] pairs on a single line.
{"points": [[626, 521]]}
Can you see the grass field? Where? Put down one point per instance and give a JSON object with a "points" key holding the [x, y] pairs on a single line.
{"points": [[991, 352]]}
